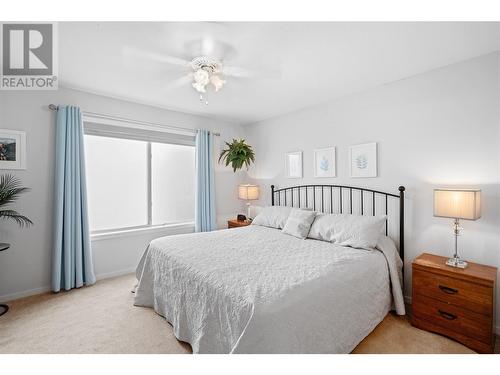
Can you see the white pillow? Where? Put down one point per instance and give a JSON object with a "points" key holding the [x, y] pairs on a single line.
{"points": [[299, 222], [273, 216], [348, 230]]}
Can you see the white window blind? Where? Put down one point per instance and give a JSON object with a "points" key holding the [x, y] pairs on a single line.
{"points": [[137, 177]]}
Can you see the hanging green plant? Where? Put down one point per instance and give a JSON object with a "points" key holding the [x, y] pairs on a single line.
{"points": [[237, 154]]}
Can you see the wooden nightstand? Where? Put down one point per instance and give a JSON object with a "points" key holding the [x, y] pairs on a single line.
{"points": [[233, 223], [458, 303]]}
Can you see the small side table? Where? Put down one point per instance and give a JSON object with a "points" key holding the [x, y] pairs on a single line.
{"points": [[455, 302], [3, 307]]}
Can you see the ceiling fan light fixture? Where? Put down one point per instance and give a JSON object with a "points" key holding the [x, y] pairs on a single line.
{"points": [[201, 76], [206, 70], [217, 82], [199, 87], [201, 79]]}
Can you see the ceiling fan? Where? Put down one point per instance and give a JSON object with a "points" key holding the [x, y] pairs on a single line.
{"points": [[205, 71]]}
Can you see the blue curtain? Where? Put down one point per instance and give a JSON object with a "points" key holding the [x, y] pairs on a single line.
{"points": [[205, 183], [72, 255]]}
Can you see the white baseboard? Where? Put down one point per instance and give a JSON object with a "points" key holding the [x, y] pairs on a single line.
{"points": [[25, 293], [408, 302], [45, 289], [109, 275]]}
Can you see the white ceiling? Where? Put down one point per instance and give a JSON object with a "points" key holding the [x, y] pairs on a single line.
{"points": [[302, 64]]}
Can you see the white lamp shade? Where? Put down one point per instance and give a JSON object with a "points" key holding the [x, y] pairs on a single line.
{"points": [[248, 192], [457, 203]]}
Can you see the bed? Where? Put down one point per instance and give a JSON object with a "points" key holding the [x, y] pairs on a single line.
{"points": [[257, 290]]}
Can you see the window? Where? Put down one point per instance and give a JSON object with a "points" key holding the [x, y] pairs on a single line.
{"points": [[172, 183], [117, 182], [134, 183]]}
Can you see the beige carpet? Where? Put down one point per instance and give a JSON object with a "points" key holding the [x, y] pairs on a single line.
{"points": [[102, 319]]}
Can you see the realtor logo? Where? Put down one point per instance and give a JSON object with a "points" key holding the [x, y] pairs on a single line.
{"points": [[28, 60]]}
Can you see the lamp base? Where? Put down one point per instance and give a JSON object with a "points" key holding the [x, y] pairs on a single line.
{"points": [[456, 262]]}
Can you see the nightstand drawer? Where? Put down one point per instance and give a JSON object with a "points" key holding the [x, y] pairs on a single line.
{"points": [[453, 318], [471, 296]]}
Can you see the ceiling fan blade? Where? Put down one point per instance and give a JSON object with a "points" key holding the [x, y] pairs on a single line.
{"points": [[258, 73], [159, 57], [235, 71], [179, 82]]}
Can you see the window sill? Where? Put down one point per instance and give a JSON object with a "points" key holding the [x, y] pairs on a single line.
{"points": [[176, 228]]}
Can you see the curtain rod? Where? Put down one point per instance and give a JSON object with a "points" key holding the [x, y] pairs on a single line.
{"points": [[54, 107]]}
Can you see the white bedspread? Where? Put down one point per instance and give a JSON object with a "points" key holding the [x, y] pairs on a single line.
{"points": [[257, 290]]}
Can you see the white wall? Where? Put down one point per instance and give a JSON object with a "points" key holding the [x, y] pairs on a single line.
{"points": [[441, 128], [25, 267]]}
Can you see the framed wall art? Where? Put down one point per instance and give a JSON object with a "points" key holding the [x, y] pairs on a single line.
{"points": [[363, 160], [324, 162], [12, 149], [293, 164]]}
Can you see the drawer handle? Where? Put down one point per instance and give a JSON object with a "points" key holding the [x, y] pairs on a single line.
{"points": [[448, 290], [447, 315]]}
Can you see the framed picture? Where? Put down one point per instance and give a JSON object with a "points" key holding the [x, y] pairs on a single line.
{"points": [[294, 164], [12, 149], [324, 162], [363, 159]]}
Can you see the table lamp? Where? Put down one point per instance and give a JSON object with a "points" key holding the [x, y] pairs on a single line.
{"points": [[249, 193], [457, 204]]}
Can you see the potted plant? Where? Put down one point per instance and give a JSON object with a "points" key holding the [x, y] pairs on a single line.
{"points": [[10, 190], [237, 154]]}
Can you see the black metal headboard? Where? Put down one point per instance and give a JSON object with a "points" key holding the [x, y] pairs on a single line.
{"points": [[333, 198]]}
